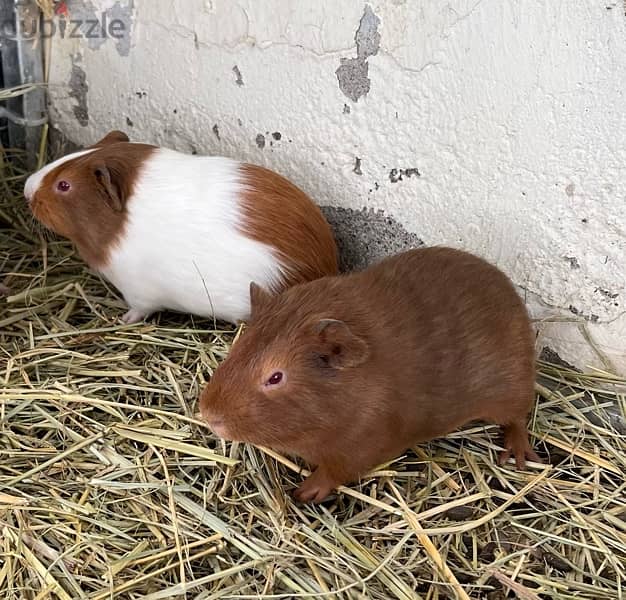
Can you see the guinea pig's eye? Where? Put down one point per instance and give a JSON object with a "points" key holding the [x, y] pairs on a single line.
{"points": [[275, 378], [63, 186]]}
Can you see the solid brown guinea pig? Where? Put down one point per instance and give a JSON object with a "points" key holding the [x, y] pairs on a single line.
{"points": [[349, 371], [181, 232]]}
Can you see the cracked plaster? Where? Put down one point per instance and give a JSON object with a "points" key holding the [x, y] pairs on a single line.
{"points": [[510, 114]]}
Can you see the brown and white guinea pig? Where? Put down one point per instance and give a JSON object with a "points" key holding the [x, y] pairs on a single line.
{"points": [[181, 232], [349, 371]]}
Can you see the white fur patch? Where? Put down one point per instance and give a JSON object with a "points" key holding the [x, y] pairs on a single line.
{"points": [[182, 248], [34, 181]]}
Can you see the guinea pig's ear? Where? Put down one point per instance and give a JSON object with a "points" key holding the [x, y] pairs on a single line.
{"points": [[341, 349], [258, 298], [111, 138], [109, 188]]}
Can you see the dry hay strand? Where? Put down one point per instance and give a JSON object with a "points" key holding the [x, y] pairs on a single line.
{"points": [[46, 7], [110, 488]]}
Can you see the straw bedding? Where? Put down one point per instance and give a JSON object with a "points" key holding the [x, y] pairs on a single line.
{"points": [[109, 487]]}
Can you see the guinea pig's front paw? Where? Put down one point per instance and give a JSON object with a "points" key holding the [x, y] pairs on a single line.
{"points": [[133, 316], [315, 488]]}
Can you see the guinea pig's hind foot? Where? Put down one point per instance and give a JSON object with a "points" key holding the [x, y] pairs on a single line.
{"points": [[316, 488], [133, 316], [516, 444]]}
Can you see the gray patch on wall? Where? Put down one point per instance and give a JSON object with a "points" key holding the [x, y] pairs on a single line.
{"points": [[550, 356], [93, 22], [591, 317], [60, 144], [366, 236], [396, 175], [78, 90], [238, 77], [352, 73], [125, 15]]}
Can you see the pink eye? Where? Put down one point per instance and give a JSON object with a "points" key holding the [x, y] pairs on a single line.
{"points": [[63, 186], [275, 379]]}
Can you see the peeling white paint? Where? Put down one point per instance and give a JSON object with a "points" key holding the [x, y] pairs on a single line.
{"points": [[513, 113]]}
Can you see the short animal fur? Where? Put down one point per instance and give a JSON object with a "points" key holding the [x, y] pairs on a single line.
{"points": [[181, 232], [349, 371]]}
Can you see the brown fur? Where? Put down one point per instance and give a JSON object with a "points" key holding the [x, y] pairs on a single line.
{"points": [[93, 213], [374, 362], [304, 241]]}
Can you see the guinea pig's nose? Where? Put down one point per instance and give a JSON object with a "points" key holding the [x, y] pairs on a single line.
{"points": [[219, 429], [212, 417], [216, 422], [217, 425]]}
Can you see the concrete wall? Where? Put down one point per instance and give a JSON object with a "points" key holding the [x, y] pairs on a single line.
{"points": [[495, 126]]}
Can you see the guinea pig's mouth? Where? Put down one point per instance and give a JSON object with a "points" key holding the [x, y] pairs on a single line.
{"points": [[219, 428], [40, 212]]}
